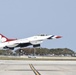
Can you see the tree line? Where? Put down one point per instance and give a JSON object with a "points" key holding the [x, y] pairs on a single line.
{"points": [[39, 51], [45, 51]]}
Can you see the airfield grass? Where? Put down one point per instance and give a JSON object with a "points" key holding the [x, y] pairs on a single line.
{"points": [[48, 59]]}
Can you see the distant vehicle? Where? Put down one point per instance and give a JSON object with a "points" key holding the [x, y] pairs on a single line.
{"points": [[6, 43], [30, 56]]}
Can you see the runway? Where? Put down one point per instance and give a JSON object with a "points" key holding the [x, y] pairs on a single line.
{"points": [[33, 67]]}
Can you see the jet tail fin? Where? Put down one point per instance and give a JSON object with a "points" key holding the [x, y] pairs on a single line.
{"points": [[5, 39]]}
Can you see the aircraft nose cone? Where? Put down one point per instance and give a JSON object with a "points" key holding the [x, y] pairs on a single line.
{"points": [[58, 37]]}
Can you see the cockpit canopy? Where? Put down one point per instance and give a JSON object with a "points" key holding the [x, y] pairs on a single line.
{"points": [[42, 35]]}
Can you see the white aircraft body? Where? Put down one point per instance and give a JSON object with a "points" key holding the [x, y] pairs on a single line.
{"points": [[6, 43]]}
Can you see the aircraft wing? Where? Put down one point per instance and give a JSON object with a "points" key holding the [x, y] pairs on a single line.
{"points": [[28, 43]]}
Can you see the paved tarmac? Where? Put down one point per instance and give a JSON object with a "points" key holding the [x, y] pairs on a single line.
{"points": [[32, 67]]}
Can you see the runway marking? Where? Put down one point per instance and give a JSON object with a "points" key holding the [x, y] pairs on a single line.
{"points": [[34, 70]]}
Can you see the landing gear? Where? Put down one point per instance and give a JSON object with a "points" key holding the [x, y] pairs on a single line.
{"points": [[34, 51], [34, 54], [20, 52], [35, 46]]}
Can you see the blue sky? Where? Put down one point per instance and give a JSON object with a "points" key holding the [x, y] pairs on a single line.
{"points": [[25, 18]]}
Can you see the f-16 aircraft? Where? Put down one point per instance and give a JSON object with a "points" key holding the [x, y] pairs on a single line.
{"points": [[35, 41]]}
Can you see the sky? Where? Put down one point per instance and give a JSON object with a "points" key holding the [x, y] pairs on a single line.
{"points": [[25, 18]]}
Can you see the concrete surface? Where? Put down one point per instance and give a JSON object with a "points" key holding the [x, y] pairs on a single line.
{"points": [[23, 67]]}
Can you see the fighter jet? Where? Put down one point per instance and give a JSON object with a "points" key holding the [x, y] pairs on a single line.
{"points": [[35, 41]]}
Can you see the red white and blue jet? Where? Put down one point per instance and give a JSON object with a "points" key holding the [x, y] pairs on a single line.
{"points": [[35, 41]]}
